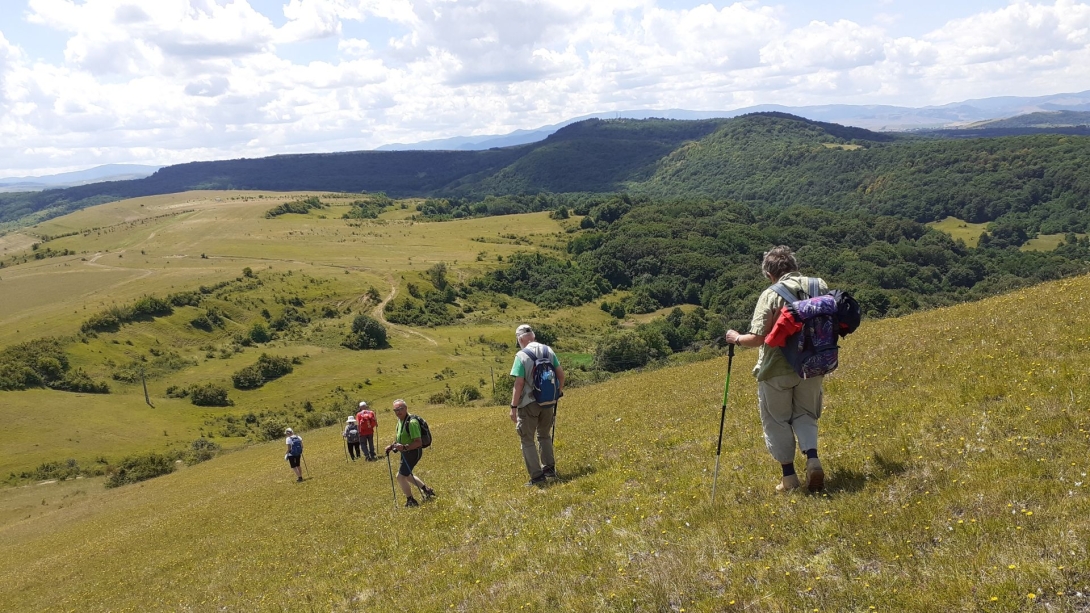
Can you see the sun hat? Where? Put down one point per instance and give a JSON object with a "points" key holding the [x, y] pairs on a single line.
{"points": [[289, 431], [363, 405], [350, 420]]}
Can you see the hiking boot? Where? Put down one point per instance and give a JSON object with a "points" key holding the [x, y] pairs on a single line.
{"points": [[299, 480], [788, 483], [536, 481], [815, 476], [411, 502], [428, 493], [549, 472]]}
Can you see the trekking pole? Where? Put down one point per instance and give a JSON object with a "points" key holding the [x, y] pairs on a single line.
{"points": [[346, 460], [391, 469], [722, 418], [305, 465]]}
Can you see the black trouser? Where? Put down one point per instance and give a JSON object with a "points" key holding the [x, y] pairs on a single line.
{"points": [[354, 450], [368, 445]]}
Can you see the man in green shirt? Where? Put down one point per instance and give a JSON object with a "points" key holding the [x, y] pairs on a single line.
{"points": [[790, 405], [530, 418], [407, 442]]}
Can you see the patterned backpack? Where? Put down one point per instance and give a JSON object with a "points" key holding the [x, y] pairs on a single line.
{"points": [[813, 350]]}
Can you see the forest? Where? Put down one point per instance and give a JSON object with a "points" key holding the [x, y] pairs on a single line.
{"points": [[1026, 184]]}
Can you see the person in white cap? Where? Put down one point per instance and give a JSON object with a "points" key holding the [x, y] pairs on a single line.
{"points": [[531, 419], [295, 452], [368, 424], [351, 436]]}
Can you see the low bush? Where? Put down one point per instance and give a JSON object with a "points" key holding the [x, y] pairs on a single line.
{"points": [[209, 395], [201, 450], [267, 368], [134, 469]]}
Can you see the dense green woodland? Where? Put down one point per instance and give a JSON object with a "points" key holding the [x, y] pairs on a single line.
{"points": [[701, 252], [1027, 184]]}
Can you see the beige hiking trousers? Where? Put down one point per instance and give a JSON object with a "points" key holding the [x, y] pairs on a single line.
{"points": [[790, 408]]}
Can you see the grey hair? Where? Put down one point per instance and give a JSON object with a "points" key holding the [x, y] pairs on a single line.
{"points": [[779, 261], [401, 402]]}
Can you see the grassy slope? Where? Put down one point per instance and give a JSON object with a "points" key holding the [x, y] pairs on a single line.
{"points": [[954, 442], [160, 255]]}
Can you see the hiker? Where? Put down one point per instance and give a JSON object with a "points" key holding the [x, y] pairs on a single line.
{"points": [[368, 423], [531, 419], [295, 453], [408, 443], [351, 436], [789, 405]]}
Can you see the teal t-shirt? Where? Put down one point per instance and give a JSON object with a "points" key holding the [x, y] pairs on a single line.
{"points": [[404, 435]]}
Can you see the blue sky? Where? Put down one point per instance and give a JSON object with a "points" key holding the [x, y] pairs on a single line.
{"points": [[87, 82]]}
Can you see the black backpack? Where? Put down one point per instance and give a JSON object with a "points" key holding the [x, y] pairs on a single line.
{"points": [[813, 350], [353, 433], [425, 431]]}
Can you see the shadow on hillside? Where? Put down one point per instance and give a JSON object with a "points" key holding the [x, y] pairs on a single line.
{"points": [[575, 473], [847, 480]]}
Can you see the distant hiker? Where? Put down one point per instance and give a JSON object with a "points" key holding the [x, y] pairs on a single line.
{"points": [[789, 405], [368, 423], [295, 453], [351, 436], [531, 412], [407, 441]]}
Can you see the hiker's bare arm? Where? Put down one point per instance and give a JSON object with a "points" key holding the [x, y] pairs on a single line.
{"points": [[560, 377], [516, 394], [733, 337]]}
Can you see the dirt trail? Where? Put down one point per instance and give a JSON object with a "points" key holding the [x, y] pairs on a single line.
{"points": [[379, 313]]}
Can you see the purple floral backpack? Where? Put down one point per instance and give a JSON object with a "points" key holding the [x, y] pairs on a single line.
{"points": [[813, 350]]}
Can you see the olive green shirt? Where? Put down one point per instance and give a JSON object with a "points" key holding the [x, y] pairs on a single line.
{"points": [[770, 360]]}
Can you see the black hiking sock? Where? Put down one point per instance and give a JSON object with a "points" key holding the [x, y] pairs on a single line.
{"points": [[811, 454], [788, 469]]}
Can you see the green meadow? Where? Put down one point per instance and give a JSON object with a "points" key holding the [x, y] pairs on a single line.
{"points": [[161, 245], [954, 440], [954, 443], [963, 230]]}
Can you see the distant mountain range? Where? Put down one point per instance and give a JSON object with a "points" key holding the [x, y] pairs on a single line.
{"points": [[107, 172], [873, 117]]}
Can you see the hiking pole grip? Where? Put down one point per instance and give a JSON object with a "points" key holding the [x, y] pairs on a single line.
{"points": [[722, 418]]}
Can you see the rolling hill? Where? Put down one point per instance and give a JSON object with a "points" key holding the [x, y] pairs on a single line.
{"points": [[957, 481], [769, 159]]}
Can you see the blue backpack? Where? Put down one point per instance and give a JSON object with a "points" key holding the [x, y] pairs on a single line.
{"points": [[546, 391], [296, 448], [813, 350]]}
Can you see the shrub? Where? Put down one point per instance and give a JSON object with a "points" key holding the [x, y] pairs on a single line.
{"points": [[259, 333], [138, 468], [201, 450], [209, 395], [623, 351], [367, 333], [272, 429], [264, 370]]}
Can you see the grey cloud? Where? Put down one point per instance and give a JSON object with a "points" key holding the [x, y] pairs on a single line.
{"points": [[175, 45], [210, 87]]}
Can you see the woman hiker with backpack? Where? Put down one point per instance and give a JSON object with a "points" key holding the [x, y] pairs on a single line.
{"points": [[351, 436], [789, 405]]}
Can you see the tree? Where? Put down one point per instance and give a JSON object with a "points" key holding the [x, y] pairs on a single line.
{"points": [[367, 333]]}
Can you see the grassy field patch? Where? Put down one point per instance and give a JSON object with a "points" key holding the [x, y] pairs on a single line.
{"points": [[958, 229]]}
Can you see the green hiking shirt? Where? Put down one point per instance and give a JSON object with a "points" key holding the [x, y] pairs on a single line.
{"points": [[770, 360], [404, 435]]}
